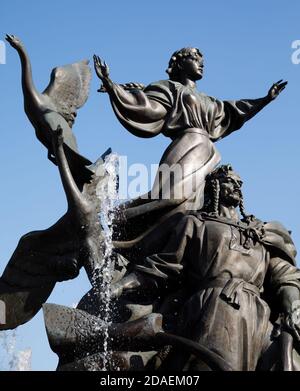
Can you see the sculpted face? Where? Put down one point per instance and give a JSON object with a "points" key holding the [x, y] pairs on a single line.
{"points": [[192, 66], [230, 190]]}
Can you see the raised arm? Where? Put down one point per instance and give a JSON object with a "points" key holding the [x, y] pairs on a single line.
{"points": [[250, 107], [141, 116], [231, 115]]}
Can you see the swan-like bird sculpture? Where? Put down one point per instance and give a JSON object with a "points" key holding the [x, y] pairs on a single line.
{"points": [[57, 106]]}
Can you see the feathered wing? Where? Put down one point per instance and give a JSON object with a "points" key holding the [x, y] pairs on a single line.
{"points": [[69, 86], [67, 91]]}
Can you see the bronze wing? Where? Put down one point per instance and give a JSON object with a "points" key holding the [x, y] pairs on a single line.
{"points": [[69, 87]]}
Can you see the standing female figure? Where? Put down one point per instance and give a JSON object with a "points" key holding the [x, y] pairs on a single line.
{"points": [[193, 121]]}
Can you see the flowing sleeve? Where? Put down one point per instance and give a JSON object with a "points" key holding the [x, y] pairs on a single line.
{"points": [[142, 113], [229, 116]]}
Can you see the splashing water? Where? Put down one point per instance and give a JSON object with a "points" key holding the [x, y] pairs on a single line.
{"points": [[8, 347], [107, 193], [24, 360], [12, 359]]}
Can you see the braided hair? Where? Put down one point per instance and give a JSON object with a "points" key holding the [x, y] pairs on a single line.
{"points": [[215, 202], [247, 218], [173, 69]]}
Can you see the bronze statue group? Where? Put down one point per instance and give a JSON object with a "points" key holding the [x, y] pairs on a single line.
{"points": [[198, 284]]}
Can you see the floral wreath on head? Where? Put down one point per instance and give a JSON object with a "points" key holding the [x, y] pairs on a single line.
{"points": [[179, 55]]}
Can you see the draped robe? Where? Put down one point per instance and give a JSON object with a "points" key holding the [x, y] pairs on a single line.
{"points": [[228, 288], [193, 121]]}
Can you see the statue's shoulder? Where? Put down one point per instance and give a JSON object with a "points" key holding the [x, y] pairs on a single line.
{"points": [[162, 91], [279, 229], [160, 84], [279, 237]]}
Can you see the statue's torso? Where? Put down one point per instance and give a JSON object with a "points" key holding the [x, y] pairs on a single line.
{"points": [[223, 253], [189, 109]]}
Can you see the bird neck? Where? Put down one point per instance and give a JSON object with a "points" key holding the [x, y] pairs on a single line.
{"points": [[28, 87]]}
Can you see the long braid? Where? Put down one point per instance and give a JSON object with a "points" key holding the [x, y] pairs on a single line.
{"points": [[215, 185], [246, 217]]}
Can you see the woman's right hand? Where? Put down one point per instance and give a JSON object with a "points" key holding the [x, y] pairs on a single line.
{"points": [[101, 69]]}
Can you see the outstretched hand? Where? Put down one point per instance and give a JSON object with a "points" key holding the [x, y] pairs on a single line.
{"points": [[101, 69], [14, 41], [276, 89]]}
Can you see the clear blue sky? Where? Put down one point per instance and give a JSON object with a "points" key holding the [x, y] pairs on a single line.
{"points": [[247, 47]]}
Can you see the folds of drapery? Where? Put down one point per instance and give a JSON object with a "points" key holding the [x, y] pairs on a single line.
{"points": [[185, 107], [172, 109]]}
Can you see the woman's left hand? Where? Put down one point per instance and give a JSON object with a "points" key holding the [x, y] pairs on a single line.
{"points": [[276, 89]]}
